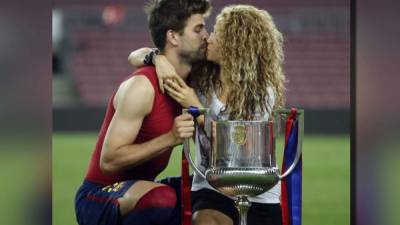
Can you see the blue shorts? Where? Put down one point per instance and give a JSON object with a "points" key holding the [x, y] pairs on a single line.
{"points": [[98, 205]]}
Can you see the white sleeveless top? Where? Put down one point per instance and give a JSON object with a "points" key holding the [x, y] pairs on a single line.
{"points": [[216, 106]]}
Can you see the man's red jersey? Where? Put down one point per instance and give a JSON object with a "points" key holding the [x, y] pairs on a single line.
{"points": [[158, 122]]}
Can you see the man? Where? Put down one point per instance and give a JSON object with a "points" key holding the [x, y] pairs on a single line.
{"points": [[239, 55], [141, 126]]}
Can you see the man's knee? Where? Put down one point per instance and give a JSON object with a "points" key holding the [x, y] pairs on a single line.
{"points": [[145, 194], [156, 206], [158, 197]]}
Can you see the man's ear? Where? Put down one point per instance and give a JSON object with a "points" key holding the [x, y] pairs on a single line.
{"points": [[172, 37]]}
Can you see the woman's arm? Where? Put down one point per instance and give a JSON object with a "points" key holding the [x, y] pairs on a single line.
{"points": [[167, 77], [164, 69], [136, 58]]}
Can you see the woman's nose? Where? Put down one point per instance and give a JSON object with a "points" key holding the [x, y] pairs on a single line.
{"points": [[211, 37], [206, 35]]}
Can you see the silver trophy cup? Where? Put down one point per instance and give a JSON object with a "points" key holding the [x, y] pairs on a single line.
{"points": [[242, 161]]}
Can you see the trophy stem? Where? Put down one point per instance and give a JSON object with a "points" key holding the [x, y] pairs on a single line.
{"points": [[243, 206]]}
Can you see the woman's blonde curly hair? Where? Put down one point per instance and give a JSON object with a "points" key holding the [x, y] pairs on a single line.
{"points": [[252, 57]]}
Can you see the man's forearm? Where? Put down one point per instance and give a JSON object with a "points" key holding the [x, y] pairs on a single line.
{"points": [[132, 155]]}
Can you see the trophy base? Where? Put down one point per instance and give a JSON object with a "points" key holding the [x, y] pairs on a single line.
{"points": [[242, 181]]}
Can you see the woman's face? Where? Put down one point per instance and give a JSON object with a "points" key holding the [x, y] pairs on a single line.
{"points": [[213, 49]]}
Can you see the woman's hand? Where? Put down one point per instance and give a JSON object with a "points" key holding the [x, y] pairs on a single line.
{"points": [[181, 92], [164, 70]]}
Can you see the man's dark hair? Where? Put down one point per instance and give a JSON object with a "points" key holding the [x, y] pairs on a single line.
{"points": [[172, 14]]}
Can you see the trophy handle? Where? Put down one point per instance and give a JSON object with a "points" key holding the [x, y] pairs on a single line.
{"points": [[186, 150], [186, 143], [300, 117]]}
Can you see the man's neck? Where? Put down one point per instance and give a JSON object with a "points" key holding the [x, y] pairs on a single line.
{"points": [[182, 68]]}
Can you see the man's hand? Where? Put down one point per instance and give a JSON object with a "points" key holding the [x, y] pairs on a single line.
{"points": [[183, 128]]}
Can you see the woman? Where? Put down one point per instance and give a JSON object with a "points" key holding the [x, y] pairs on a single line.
{"points": [[241, 80]]}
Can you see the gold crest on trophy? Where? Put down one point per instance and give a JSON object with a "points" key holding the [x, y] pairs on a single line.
{"points": [[238, 134]]}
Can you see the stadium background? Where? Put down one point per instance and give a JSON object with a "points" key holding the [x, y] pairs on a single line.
{"points": [[91, 42]]}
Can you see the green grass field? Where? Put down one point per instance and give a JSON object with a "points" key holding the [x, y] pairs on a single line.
{"points": [[326, 176]]}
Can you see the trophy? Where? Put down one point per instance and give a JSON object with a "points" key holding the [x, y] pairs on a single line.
{"points": [[242, 158]]}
